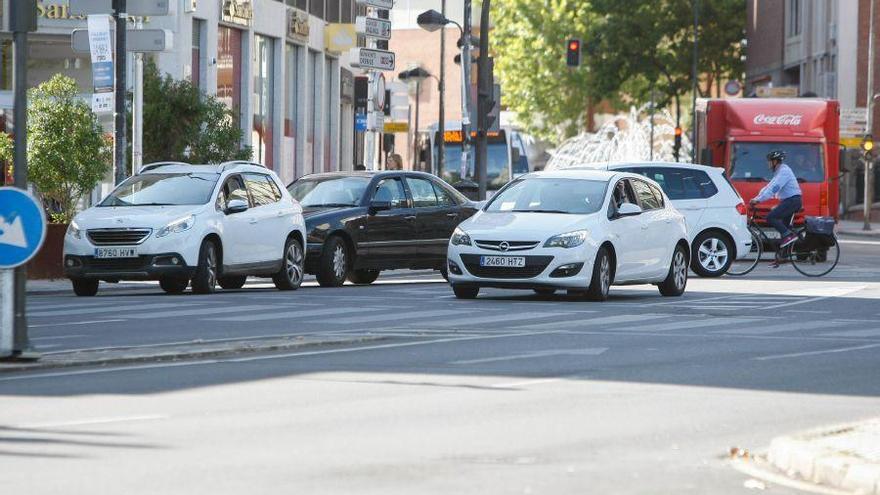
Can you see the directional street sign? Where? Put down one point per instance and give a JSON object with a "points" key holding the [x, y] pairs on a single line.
{"points": [[371, 58], [137, 40], [373, 27], [22, 227], [379, 4], [132, 7]]}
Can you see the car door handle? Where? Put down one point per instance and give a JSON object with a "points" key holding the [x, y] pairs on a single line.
{"points": [[280, 214], [645, 227], [452, 215], [409, 217], [253, 220]]}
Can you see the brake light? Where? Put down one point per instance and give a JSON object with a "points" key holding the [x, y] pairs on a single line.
{"points": [[741, 208]]}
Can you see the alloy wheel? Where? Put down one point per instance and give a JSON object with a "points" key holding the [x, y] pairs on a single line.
{"points": [[712, 254], [679, 269], [293, 263], [605, 274], [211, 266], [339, 262]]}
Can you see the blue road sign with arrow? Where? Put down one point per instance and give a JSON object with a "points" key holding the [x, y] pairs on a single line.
{"points": [[22, 227]]}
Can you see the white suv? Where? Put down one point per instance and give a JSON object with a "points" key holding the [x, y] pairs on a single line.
{"points": [[714, 211], [175, 222]]}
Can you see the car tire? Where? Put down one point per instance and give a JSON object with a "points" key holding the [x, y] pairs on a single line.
{"points": [[85, 287], [232, 282], [545, 292], [334, 263], [204, 280], [711, 254], [676, 279], [444, 271], [363, 277], [462, 292], [600, 282], [173, 285], [292, 267]]}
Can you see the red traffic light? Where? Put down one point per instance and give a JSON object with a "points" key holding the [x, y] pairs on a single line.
{"points": [[574, 45], [678, 132], [573, 53]]}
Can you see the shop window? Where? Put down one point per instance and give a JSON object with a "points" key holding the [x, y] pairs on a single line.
{"points": [[264, 98], [332, 6], [229, 69], [316, 8]]}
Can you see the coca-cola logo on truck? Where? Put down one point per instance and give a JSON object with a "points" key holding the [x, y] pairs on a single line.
{"points": [[791, 119]]}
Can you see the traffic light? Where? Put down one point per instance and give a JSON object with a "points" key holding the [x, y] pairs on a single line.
{"points": [[676, 147], [573, 53], [868, 147]]}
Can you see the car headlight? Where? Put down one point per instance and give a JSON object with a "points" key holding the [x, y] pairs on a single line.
{"points": [[74, 231], [567, 240], [460, 238], [176, 226]]}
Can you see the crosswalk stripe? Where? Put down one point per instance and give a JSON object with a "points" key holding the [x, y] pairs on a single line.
{"points": [[393, 316], [869, 332], [108, 309], [606, 320], [47, 307], [295, 315], [772, 328], [688, 325], [203, 311], [484, 320]]}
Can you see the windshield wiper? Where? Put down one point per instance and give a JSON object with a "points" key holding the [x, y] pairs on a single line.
{"points": [[539, 211], [152, 204]]}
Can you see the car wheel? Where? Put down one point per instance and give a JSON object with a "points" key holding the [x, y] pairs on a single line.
{"points": [[292, 272], [173, 285], [232, 282], [545, 292], [465, 292], [334, 263], [444, 271], [676, 280], [600, 283], [85, 287], [363, 277], [711, 254], [204, 280]]}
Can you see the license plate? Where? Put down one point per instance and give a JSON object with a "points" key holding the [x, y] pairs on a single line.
{"points": [[503, 261], [116, 252]]}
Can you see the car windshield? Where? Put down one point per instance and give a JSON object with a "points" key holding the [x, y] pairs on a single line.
{"points": [[163, 189], [329, 191], [550, 195], [749, 161]]}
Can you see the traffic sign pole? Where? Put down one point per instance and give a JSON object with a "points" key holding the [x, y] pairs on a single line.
{"points": [[120, 143]]}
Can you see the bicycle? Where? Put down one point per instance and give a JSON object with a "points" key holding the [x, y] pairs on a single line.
{"points": [[814, 254]]}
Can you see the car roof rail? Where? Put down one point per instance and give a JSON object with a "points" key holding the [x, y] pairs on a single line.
{"points": [[155, 165], [236, 163]]}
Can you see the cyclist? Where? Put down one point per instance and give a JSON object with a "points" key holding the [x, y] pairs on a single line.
{"points": [[784, 186]]}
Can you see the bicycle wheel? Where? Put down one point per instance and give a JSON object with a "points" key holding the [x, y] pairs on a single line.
{"points": [[747, 263], [814, 255]]}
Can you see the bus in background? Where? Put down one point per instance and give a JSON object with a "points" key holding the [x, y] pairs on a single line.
{"points": [[737, 134], [506, 155]]}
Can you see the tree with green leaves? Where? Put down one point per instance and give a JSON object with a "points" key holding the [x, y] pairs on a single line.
{"points": [[181, 123], [68, 153]]}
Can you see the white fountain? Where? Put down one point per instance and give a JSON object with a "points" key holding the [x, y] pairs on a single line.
{"points": [[624, 138]]}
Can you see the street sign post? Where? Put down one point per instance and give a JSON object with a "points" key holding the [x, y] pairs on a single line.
{"points": [[22, 232], [370, 58], [373, 27]]}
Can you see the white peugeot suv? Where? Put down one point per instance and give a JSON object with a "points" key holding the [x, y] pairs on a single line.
{"points": [[175, 222]]}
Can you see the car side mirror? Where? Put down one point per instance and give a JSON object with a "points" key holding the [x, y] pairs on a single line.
{"points": [[629, 210], [236, 206], [376, 206]]}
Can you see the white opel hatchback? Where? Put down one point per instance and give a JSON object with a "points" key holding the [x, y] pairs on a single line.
{"points": [[714, 211], [176, 223], [580, 231]]}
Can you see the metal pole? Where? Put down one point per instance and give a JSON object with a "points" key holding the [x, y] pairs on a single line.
{"points": [[466, 86], [121, 19], [20, 344], [370, 135], [137, 134], [694, 75], [441, 121], [416, 127], [484, 94], [869, 122], [652, 123]]}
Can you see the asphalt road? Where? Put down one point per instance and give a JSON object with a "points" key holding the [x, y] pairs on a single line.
{"points": [[509, 393]]}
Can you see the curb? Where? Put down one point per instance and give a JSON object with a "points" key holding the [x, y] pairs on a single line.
{"points": [[820, 456], [194, 350], [860, 233]]}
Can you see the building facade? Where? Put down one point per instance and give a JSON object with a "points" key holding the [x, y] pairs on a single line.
{"points": [[278, 65]]}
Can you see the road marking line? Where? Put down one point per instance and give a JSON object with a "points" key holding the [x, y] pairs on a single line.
{"points": [[837, 293], [95, 421], [788, 327], [56, 337], [870, 332], [689, 325], [815, 353], [537, 354], [495, 319], [74, 323], [280, 315], [393, 316], [607, 320], [112, 308], [869, 243], [201, 311]]}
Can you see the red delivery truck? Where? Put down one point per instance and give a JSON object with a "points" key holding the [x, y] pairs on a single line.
{"points": [[738, 133]]}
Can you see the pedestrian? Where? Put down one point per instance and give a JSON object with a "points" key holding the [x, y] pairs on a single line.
{"points": [[784, 186], [395, 162]]}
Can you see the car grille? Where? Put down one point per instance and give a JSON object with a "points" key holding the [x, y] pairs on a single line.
{"points": [[534, 266], [118, 237], [511, 245], [117, 264]]}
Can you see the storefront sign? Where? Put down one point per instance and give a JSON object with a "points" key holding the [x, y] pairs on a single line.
{"points": [[392, 127], [239, 12], [297, 25], [777, 92], [339, 38]]}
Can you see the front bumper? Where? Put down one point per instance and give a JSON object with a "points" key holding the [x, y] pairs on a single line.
{"points": [[545, 268], [144, 267]]}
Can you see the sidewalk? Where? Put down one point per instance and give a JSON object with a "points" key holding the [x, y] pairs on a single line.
{"points": [[844, 457], [850, 227]]}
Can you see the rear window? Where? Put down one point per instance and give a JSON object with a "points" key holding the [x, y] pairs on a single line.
{"points": [[679, 183], [749, 161]]}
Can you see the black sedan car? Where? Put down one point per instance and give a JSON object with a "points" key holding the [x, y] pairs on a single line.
{"points": [[360, 223]]}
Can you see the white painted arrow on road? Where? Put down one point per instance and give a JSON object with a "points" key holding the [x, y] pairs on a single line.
{"points": [[593, 351]]}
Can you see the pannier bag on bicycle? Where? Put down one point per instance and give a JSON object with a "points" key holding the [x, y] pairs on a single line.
{"points": [[820, 225]]}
